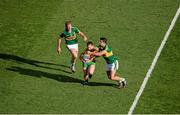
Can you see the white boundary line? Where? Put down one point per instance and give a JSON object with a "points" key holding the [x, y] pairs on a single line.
{"points": [[148, 74]]}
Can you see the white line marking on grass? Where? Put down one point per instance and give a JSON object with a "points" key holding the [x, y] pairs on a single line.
{"points": [[148, 74]]}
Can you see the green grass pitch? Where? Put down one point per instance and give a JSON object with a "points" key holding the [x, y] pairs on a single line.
{"points": [[34, 79], [162, 92]]}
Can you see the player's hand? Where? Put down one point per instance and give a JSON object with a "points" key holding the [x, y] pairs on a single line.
{"points": [[83, 61], [89, 52], [58, 50], [85, 39]]}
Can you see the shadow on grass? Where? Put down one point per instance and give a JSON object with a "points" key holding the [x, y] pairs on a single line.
{"points": [[36, 63], [101, 84], [40, 74], [60, 78]]}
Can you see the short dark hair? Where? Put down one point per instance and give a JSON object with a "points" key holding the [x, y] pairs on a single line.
{"points": [[90, 43], [68, 22], [103, 39]]}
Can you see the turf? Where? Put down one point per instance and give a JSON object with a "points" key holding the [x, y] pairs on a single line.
{"points": [[162, 92], [34, 79]]}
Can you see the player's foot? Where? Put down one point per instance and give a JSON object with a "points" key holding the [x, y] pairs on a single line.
{"points": [[85, 83], [72, 67], [122, 83]]}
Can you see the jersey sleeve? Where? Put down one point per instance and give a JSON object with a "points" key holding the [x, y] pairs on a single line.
{"points": [[76, 30], [61, 35]]}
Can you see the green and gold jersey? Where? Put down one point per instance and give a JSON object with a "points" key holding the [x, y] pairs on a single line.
{"points": [[70, 38], [109, 56]]}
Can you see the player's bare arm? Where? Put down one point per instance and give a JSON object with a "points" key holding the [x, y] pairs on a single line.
{"points": [[59, 45], [83, 36], [96, 49], [98, 53]]}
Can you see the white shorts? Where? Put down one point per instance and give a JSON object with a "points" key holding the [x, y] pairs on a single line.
{"points": [[113, 66], [73, 46]]}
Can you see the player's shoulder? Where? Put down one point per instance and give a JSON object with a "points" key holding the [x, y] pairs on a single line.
{"points": [[74, 27], [85, 50], [108, 48], [64, 32]]}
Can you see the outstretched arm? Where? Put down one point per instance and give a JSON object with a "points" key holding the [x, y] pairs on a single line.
{"points": [[83, 36], [59, 45], [99, 53]]}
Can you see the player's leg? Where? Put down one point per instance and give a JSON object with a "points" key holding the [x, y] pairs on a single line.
{"points": [[74, 55], [112, 68], [85, 72], [111, 72], [112, 75], [91, 70]]}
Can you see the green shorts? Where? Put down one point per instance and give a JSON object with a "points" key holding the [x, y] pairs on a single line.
{"points": [[87, 64]]}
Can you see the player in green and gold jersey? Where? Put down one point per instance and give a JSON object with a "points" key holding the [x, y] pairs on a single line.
{"points": [[69, 34], [111, 62]]}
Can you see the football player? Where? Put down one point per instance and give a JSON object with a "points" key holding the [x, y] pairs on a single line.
{"points": [[69, 34], [112, 64], [88, 62]]}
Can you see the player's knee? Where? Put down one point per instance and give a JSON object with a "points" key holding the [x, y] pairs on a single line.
{"points": [[75, 56], [91, 72]]}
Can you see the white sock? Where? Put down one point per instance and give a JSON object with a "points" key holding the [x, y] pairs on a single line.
{"points": [[122, 79]]}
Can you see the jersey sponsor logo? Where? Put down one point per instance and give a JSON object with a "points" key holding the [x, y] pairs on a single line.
{"points": [[70, 36]]}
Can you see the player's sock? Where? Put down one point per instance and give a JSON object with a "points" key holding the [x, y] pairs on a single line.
{"points": [[72, 63], [72, 67], [123, 79], [90, 76], [122, 83], [87, 76]]}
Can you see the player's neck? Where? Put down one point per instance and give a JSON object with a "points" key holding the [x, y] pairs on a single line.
{"points": [[69, 31]]}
